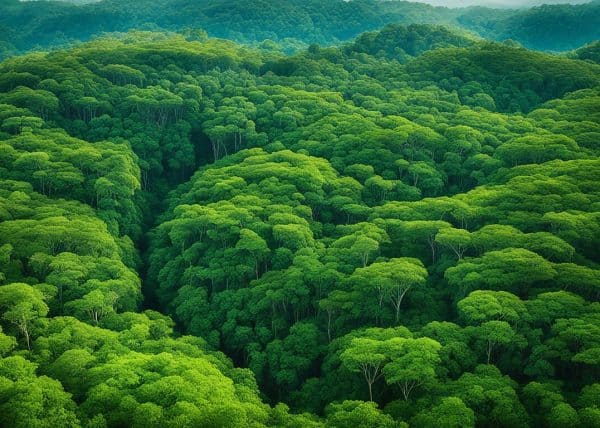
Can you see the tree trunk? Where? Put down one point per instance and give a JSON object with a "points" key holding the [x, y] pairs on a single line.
{"points": [[489, 350], [431, 242], [25, 331]]}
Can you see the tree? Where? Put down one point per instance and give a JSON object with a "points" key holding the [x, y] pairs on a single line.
{"points": [[409, 234], [336, 301], [426, 177], [576, 339], [547, 307], [450, 413], [496, 333], [22, 305], [457, 354], [458, 240], [291, 359], [540, 399], [492, 397], [357, 414], [536, 149], [368, 357], [485, 305], [412, 363], [254, 245], [511, 269], [365, 246], [563, 415], [94, 305], [392, 280]]}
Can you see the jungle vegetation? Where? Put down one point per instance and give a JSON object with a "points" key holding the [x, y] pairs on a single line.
{"points": [[401, 230]]}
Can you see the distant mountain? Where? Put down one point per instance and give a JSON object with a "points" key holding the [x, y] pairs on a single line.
{"points": [[43, 24], [502, 4], [69, 1]]}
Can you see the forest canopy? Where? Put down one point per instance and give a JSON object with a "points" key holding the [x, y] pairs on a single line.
{"points": [[399, 230]]}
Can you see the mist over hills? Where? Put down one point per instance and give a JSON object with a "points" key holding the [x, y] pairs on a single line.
{"points": [[295, 23], [507, 4]]}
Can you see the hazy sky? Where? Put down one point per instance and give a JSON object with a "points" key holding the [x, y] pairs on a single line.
{"points": [[498, 3]]}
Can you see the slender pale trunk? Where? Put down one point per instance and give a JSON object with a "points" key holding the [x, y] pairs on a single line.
{"points": [[397, 301], [431, 242], [25, 331]]}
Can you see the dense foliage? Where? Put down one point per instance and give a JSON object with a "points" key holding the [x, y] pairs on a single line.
{"points": [[291, 23], [402, 230], [590, 52]]}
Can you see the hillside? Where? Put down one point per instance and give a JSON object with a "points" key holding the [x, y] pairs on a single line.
{"points": [[558, 27], [399, 231], [590, 52], [292, 23]]}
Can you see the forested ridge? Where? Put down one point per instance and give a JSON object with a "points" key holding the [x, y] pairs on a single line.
{"points": [[288, 25], [401, 230]]}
